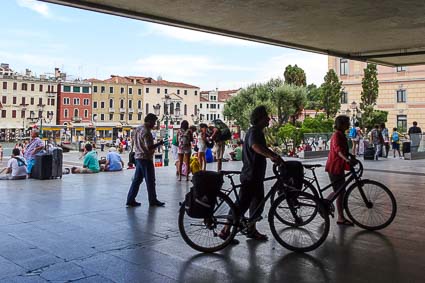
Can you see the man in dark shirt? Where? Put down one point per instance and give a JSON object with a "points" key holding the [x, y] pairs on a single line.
{"points": [[254, 154], [415, 137]]}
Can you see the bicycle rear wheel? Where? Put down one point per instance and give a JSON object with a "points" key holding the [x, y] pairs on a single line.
{"points": [[203, 234], [370, 205], [307, 216]]}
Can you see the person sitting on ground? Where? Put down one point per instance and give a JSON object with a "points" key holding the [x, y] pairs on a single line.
{"points": [[113, 161], [90, 162], [237, 153], [16, 168]]}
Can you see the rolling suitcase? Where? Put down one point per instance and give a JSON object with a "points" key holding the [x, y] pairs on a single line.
{"points": [[57, 159], [42, 169], [369, 153]]}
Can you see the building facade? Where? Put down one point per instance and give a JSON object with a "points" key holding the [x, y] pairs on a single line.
{"points": [[401, 91], [212, 105], [26, 100]]}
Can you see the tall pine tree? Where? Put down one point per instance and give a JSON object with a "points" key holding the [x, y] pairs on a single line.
{"points": [[331, 94]]}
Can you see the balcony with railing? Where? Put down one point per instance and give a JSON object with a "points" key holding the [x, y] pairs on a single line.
{"points": [[111, 110], [77, 119], [122, 110]]}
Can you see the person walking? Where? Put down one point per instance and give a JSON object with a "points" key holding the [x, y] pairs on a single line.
{"points": [[1, 153], [395, 142], [338, 161], [202, 146], [144, 149], [377, 140], [386, 137], [34, 146], [356, 134], [254, 154], [184, 139]]}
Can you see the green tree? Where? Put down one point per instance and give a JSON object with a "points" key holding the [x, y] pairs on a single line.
{"points": [[314, 97], [369, 95], [295, 76], [288, 102], [331, 94]]}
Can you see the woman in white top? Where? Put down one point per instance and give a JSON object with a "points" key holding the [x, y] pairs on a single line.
{"points": [[202, 146]]}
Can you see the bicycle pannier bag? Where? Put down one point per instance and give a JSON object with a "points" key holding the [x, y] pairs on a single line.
{"points": [[293, 174]]}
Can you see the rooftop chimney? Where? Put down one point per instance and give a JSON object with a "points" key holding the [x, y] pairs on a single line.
{"points": [[28, 73], [57, 73], [4, 65]]}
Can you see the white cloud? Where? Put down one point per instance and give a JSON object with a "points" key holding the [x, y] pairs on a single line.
{"points": [[36, 6], [195, 36], [183, 66]]}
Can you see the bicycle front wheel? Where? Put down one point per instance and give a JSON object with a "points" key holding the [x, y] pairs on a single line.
{"points": [[307, 188], [202, 234], [370, 205], [308, 219]]}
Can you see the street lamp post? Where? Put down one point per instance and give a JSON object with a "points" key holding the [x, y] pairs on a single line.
{"points": [[40, 118]]}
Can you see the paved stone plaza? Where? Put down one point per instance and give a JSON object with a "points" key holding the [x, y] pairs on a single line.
{"points": [[78, 229]]}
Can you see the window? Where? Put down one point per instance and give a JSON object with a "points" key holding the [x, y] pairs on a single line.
{"points": [[23, 101], [102, 117], [122, 90], [218, 116], [32, 87], [14, 100], [139, 104], [178, 91], [402, 123], [139, 116], [95, 88], [147, 90], [76, 112], [32, 101], [76, 101], [86, 89], [208, 116], [401, 96], [185, 109], [22, 114], [52, 102], [130, 90], [13, 113], [65, 113], [77, 89], [111, 103], [94, 104], [147, 108], [86, 113], [40, 101], [121, 103], [86, 101], [3, 113], [344, 97], [207, 105], [111, 89], [15, 86], [218, 106], [24, 86], [67, 88], [130, 104], [102, 89], [130, 116], [166, 91], [48, 101], [196, 92], [53, 88], [343, 67], [121, 117], [4, 85], [102, 105], [139, 91], [66, 101], [158, 90], [185, 92], [111, 116], [212, 106], [401, 68], [171, 108], [40, 88], [200, 105]]}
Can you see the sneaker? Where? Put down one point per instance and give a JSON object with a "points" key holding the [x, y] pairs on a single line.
{"points": [[157, 203], [133, 204]]}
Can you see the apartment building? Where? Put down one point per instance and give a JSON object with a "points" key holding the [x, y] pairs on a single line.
{"points": [[26, 100], [212, 104], [401, 91]]}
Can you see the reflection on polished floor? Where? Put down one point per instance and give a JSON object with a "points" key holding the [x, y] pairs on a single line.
{"points": [[78, 229]]}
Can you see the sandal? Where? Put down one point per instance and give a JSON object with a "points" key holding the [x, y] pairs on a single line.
{"points": [[224, 235], [257, 236], [345, 222]]}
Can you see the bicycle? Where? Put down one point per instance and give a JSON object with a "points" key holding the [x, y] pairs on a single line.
{"points": [[368, 204], [306, 211]]}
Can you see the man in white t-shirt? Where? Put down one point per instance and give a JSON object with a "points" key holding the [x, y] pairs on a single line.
{"points": [[16, 167]]}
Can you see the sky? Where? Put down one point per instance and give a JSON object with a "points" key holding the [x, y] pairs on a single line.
{"points": [[84, 44]]}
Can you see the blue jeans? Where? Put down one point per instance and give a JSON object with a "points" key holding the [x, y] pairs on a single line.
{"points": [[30, 164], [144, 170]]}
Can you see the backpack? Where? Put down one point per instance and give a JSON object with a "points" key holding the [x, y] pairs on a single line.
{"points": [[353, 133], [201, 200], [225, 133], [395, 137], [20, 161], [185, 138]]}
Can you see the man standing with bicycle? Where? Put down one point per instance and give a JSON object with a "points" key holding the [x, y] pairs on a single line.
{"points": [[254, 154]]}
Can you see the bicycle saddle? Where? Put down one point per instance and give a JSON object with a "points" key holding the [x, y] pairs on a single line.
{"points": [[310, 166], [229, 172]]}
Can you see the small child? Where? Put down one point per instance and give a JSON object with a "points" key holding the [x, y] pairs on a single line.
{"points": [[395, 142]]}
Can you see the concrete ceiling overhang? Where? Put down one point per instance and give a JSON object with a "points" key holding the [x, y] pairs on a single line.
{"points": [[385, 32]]}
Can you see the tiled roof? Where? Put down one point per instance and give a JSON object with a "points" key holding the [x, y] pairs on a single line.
{"points": [[224, 95], [93, 80], [118, 80], [203, 98]]}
